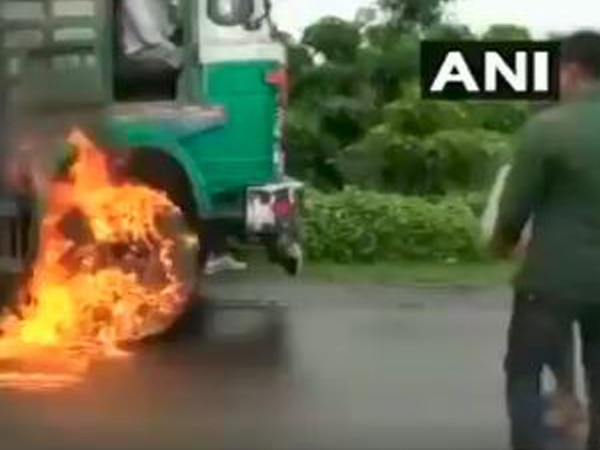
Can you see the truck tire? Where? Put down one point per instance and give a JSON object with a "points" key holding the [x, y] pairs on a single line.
{"points": [[159, 170]]}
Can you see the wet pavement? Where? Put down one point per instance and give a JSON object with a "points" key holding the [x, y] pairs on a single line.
{"points": [[346, 367]]}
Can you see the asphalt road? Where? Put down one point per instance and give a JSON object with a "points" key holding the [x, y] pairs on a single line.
{"points": [[353, 367]]}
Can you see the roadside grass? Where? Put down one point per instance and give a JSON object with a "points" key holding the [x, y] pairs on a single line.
{"points": [[458, 274], [484, 273]]}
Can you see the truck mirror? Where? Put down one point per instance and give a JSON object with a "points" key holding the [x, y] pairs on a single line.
{"points": [[253, 24], [231, 12]]}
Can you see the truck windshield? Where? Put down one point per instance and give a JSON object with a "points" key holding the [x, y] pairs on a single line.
{"points": [[230, 12]]}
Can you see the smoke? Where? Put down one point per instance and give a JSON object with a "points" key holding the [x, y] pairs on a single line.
{"points": [[34, 136], [21, 169]]}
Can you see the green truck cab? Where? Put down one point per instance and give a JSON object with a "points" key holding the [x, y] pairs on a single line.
{"points": [[216, 145]]}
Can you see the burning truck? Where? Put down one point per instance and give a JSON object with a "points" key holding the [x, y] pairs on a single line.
{"points": [[107, 244], [114, 264]]}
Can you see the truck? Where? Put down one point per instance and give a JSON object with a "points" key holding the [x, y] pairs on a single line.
{"points": [[212, 137]]}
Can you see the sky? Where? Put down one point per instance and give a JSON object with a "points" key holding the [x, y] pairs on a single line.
{"points": [[541, 16]]}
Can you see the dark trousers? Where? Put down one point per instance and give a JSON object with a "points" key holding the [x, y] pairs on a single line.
{"points": [[562, 366], [214, 235], [215, 238], [539, 331]]}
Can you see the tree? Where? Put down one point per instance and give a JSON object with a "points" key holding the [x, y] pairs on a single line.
{"points": [[381, 36], [358, 117], [313, 150], [425, 147], [504, 117], [506, 32], [444, 162], [421, 118], [346, 118], [405, 14], [337, 39], [446, 31], [317, 83], [299, 62], [393, 61], [332, 108]]}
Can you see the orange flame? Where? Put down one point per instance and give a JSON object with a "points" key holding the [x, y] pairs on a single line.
{"points": [[108, 271]]}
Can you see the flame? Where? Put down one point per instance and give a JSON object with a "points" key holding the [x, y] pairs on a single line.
{"points": [[108, 270]]}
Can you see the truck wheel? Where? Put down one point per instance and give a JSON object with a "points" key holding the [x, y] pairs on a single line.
{"points": [[160, 171]]}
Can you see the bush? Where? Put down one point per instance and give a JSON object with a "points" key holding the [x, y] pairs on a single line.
{"points": [[418, 117], [503, 117], [312, 151], [358, 226], [445, 162], [466, 160], [477, 201]]}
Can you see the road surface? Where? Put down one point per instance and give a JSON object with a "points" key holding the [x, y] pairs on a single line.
{"points": [[362, 367]]}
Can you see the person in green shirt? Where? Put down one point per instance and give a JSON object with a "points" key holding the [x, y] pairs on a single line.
{"points": [[555, 183]]}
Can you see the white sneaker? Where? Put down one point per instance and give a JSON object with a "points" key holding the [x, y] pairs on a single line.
{"points": [[223, 264]]}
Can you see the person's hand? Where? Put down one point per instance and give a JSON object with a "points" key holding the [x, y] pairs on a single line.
{"points": [[520, 251], [499, 247]]}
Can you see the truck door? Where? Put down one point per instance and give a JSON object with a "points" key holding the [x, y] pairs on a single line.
{"points": [[238, 53]]}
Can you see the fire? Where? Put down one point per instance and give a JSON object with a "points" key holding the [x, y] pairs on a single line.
{"points": [[112, 267]]}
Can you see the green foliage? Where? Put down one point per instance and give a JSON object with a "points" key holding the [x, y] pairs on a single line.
{"points": [[314, 150], [332, 108], [445, 31], [428, 148], [477, 201], [335, 38], [358, 118], [445, 162], [411, 115], [299, 60], [358, 226], [504, 117], [365, 164], [318, 82], [506, 32], [390, 60], [346, 118], [464, 160], [411, 13]]}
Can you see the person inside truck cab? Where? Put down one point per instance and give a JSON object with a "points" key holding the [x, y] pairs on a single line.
{"points": [[150, 56]]}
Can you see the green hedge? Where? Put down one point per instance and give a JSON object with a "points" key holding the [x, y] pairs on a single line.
{"points": [[477, 201], [444, 162], [359, 226]]}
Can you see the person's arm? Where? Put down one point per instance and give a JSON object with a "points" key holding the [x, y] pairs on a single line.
{"points": [[523, 189]]}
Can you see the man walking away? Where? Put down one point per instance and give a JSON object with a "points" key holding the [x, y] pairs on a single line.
{"points": [[564, 413], [555, 179]]}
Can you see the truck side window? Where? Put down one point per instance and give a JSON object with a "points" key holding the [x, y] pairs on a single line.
{"points": [[230, 12]]}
